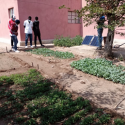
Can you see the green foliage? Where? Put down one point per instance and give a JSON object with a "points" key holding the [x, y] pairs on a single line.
{"points": [[119, 121], [26, 79], [30, 122], [67, 41], [77, 116], [101, 68], [104, 118], [87, 121], [48, 52], [113, 10], [41, 103], [5, 80]]}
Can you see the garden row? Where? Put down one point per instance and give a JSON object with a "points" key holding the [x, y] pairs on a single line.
{"points": [[39, 102], [49, 52], [97, 67], [101, 68]]}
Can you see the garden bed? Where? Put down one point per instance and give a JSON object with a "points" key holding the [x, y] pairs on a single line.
{"points": [[49, 52], [101, 68], [40, 102]]}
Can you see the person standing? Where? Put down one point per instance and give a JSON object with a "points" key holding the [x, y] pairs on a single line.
{"points": [[37, 31], [9, 25], [100, 23], [28, 25], [14, 33]]}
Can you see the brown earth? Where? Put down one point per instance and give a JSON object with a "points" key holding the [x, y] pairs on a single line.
{"points": [[100, 91]]}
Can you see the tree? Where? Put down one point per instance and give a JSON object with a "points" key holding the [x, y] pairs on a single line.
{"points": [[114, 10]]}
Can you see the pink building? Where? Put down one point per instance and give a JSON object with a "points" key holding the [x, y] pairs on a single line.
{"points": [[53, 21], [90, 30]]}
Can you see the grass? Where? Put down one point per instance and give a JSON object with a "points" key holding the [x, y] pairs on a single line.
{"points": [[37, 101]]}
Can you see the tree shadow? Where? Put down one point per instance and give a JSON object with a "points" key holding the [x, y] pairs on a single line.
{"points": [[116, 53], [22, 48]]}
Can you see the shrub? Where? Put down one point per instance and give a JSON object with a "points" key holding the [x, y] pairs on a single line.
{"points": [[119, 121], [67, 41]]}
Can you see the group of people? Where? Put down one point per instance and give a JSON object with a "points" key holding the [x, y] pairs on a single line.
{"points": [[29, 26]]}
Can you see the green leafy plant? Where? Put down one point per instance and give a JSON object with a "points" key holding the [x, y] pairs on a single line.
{"points": [[77, 116], [41, 103], [119, 121], [31, 122], [26, 79], [48, 52], [67, 41], [101, 68], [104, 118]]}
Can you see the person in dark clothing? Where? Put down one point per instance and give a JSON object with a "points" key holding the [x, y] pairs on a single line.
{"points": [[36, 31], [100, 23], [11, 43]]}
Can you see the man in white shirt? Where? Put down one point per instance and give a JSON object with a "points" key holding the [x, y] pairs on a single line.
{"points": [[28, 24]]}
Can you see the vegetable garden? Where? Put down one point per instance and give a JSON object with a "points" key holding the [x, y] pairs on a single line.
{"points": [[36, 101], [49, 52], [101, 68]]}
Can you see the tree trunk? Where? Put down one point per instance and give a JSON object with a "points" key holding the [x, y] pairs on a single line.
{"points": [[109, 42]]}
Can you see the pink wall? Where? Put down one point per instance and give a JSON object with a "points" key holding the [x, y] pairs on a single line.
{"points": [[53, 21], [91, 31], [4, 17]]}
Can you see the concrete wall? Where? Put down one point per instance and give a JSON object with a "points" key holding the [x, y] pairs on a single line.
{"points": [[53, 21]]}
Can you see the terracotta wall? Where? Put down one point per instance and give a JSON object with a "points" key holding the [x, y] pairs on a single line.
{"points": [[53, 21]]}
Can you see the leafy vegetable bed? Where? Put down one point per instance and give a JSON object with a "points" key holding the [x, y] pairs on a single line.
{"points": [[101, 68], [39, 102], [48, 52]]}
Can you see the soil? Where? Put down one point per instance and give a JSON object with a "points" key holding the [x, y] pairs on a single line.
{"points": [[103, 93]]}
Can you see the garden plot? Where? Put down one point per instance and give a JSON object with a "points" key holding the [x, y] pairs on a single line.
{"points": [[104, 93], [7, 63], [40, 102]]}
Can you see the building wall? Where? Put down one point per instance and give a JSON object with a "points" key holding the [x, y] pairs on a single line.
{"points": [[53, 21], [91, 31], [4, 18]]}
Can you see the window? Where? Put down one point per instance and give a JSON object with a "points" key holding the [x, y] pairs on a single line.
{"points": [[11, 12], [73, 17]]}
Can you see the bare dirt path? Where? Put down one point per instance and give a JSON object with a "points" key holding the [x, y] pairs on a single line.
{"points": [[102, 92]]}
